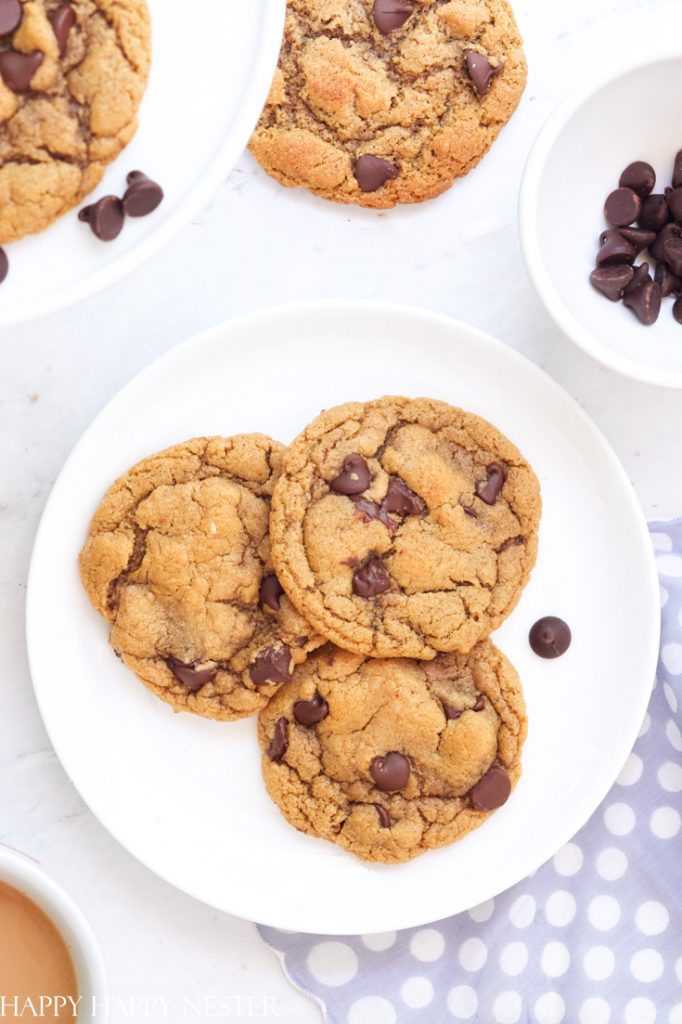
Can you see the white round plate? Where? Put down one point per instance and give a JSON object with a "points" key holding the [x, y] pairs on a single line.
{"points": [[185, 795], [210, 77]]}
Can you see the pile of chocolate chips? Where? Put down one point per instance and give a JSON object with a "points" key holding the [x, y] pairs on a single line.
{"points": [[640, 220], [107, 215]]}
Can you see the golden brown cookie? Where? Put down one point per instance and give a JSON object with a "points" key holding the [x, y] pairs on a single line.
{"points": [[379, 102], [178, 561], [72, 76], [390, 758], [403, 527]]}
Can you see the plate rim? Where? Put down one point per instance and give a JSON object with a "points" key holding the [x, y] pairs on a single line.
{"points": [[253, 99], [330, 306]]}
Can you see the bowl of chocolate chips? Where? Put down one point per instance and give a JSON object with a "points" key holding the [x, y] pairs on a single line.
{"points": [[601, 220]]}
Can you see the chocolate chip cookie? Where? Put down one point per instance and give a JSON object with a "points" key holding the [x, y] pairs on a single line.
{"points": [[403, 527], [379, 102], [390, 758], [72, 76], [178, 561]]}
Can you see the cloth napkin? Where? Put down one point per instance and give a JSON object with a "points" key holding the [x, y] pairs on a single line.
{"points": [[594, 937]]}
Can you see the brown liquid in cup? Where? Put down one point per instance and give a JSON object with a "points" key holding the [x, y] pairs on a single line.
{"points": [[34, 961]]}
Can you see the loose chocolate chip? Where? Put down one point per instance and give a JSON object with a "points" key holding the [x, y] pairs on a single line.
{"points": [[640, 239], [280, 740], [615, 249], [550, 637], [612, 281], [677, 310], [480, 70], [672, 254], [489, 490], [273, 665], [369, 510], [17, 69], [310, 712], [142, 196], [390, 773], [645, 303], [401, 500], [371, 579], [371, 172], [384, 816], [669, 231], [654, 214], [105, 217], [492, 791], [677, 170], [622, 207], [640, 177], [354, 478], [10, 16], [391, 14], [270, 592], [640, 276], [4, 265], [674, 199], [451, 714], [191, 677], [667, 280], [480, 703], [62, 19]]}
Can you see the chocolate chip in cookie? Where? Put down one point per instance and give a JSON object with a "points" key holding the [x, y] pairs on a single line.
{"points": [[391, 773], [371, 579], [273, 665], [311, 712], [191, 676], [280, 741], [11, 13], [390, 15], [271, 591], [62, 19], [488, 491], [354, 478], [371, 172], [481, 71], [492, 791], [18, 69]]}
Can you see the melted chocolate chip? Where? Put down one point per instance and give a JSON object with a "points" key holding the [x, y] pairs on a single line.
{"points": [[550, 637], [105, 218], [480, 703], [492, 791], [270, 592], [470, 511], [639, 176], [62, 19], [451, 714], [310, 712], [369, 510], [11, 13], [354, 478], [480, 71], [612, 281], [371, 579], [384, 816], [371, 172], [273, 665], [489, 491], [191, 677], [390, 15], [142, 196], [391, 773], [17, 69], [401, 499], [280, 740]]}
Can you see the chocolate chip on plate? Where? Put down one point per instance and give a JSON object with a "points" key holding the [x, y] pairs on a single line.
{"points": [[18, 69], [640, 177], [492, 791], [401, 499], [669, 283], [645, 303], [371, 579], [270, 592], [669, 231], [371, 172], [142, 196], [190, 676], [622, 207], [354, 478], [62, 19], [674, 201], [677, 310], [672, 254], [639, 238], [488, 490], [390, 15], [640, 276], [391, 773], [612, 281], [677, 170], [4, 265], [615, 249], [105, 217], [11, 13], [310, 712], [481, 71], [550, 637], [273, 665], [280, 740], [384, 816], [654, 214]]}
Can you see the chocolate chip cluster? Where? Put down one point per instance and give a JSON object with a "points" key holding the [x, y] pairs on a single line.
{"points": [[642, 221]]}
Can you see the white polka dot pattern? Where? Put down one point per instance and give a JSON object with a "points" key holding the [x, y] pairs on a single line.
{"points": [[594, 937]]}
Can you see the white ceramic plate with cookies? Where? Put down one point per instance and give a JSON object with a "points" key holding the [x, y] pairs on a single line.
{"points": [[211, 72], [184, 794]]}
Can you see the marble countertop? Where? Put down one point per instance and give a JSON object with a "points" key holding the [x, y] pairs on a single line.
{"points": [[258, 245]]}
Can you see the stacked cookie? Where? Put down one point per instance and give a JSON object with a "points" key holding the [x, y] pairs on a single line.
{"points": [[345, 589]]}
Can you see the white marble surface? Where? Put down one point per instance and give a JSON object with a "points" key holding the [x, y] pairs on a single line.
{"points": [[260, 245]]}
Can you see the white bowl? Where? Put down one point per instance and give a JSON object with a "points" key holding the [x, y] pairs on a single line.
{"points": [[575, 163], [24, 874]]}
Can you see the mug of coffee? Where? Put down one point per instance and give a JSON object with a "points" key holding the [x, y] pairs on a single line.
{"points": [[51, 966]]}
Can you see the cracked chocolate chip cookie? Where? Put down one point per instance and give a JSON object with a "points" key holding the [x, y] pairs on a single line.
{"points": [[178, 561], [390, 758], [379, 102], [72, 76], [403, 527]]}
